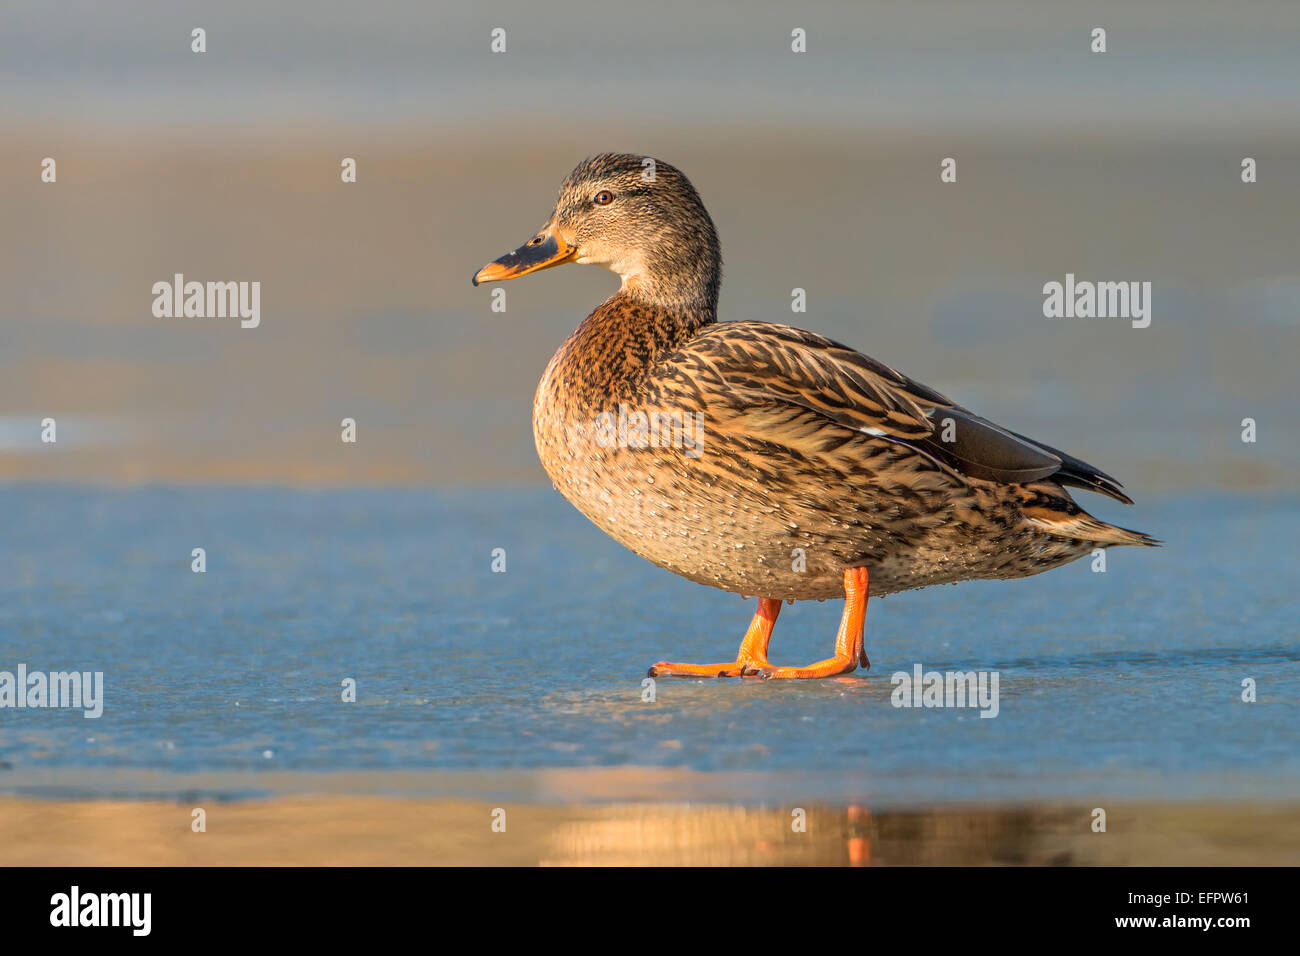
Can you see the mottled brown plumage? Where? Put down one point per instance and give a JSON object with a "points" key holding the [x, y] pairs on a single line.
{"points": [[812, 459]]}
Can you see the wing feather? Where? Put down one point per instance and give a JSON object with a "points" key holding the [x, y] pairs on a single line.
{"points": [[763, 363]]}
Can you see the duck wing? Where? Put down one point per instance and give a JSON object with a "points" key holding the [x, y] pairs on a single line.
{"points": [[763, 364]]}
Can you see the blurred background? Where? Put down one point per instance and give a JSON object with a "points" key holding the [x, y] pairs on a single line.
{"points": [[821, 171]]}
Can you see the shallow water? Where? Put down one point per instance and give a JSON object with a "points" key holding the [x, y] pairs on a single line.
{"points": [[1123, 683]]}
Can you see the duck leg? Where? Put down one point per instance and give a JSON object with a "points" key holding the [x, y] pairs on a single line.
{"points": [[751, 656], [849, 647], [751, 659]]}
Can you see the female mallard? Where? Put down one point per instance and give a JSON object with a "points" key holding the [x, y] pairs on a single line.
{"points": [[763, 459]]}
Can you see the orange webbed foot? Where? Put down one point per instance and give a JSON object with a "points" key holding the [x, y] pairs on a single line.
{"points": [[830, 667], [751, 656], [850, 649], [751, 660], [736, 668]]}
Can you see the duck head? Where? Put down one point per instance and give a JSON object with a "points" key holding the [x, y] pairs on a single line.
{"points": [[638, 217]]}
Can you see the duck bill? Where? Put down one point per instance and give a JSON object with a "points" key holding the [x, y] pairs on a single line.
{"points": [[544, 250]]}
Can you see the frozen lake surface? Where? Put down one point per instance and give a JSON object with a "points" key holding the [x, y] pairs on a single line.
{"points": [[1124, 683]]}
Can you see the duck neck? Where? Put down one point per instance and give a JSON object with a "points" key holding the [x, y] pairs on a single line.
{"points": [[619, 344]]}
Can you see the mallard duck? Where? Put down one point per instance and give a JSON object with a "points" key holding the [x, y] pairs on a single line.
{"points": [[762, 459]]}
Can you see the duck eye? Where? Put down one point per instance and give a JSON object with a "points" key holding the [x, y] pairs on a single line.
{"points": [[603, 198]]}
